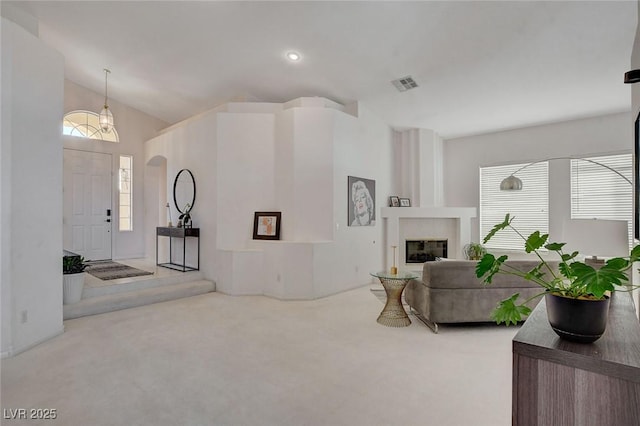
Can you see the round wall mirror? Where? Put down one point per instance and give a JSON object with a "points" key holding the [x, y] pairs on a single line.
{"points": [[184, 190]]}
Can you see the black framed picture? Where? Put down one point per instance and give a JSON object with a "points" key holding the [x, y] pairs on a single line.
{"points": [[405, 202], [362, 201], [394, 201], [266, 225]]}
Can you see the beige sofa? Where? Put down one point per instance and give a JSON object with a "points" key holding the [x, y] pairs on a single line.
{"points": [[450, 292]]}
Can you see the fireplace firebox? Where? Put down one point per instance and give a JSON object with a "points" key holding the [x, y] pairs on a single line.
{"points": [[420, 251]]}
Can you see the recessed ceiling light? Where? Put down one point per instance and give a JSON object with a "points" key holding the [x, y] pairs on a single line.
{"points": [[293, 56]]}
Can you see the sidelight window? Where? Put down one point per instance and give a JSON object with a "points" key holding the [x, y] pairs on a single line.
{"points": [[125, 193]]}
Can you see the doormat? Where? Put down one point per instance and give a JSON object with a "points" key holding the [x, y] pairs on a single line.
{"points": [[110, 270]]}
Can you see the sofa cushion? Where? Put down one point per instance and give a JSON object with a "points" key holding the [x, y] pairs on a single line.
{"points": [[461, 274]]}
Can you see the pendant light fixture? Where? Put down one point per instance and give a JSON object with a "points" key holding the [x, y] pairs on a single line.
{"points": [[106, 118]]}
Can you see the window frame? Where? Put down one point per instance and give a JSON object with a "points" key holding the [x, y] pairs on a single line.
{"points": [[125, 175], [86, 124]]}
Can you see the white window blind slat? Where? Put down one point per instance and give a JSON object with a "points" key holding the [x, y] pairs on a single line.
{"points": [[529, 207], [599, 193]]}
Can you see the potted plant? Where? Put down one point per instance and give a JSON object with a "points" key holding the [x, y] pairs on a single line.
{"points": [[576, 294], [474, 251], [72, 278]]}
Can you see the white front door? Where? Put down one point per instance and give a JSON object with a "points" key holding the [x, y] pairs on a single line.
{"points": [[87, 204]]}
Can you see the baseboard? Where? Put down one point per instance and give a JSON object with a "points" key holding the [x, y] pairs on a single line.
{"points": [[15, 351], [129, 256]]}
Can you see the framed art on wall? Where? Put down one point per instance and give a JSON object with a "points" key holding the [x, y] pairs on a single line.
{"points": [[266, 225], [362, 201]]}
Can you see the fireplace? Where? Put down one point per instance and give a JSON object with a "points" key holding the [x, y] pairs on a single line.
{"points": [[420, 251]]}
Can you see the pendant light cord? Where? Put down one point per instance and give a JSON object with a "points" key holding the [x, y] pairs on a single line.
{"points": [[106, 74]]}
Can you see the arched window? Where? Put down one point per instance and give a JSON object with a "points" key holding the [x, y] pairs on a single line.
{"points": [[86, 124]]}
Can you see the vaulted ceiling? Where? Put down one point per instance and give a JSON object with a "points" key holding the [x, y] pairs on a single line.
{"points": [[480, 66]]}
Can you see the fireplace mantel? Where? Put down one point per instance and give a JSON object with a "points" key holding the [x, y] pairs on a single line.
{"points": [[393, 216]]}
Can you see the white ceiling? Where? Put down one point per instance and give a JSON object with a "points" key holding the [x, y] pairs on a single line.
{"points": [[480, 66]]}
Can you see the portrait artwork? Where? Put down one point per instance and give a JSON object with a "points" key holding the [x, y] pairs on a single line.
{"points": [[362, 201]]}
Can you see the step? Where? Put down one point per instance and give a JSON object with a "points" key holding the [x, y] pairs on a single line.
{"points": [[144, 282], [132, 299]]}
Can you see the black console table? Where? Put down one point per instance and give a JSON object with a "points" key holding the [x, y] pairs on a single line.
{"points": [[182, 233]]}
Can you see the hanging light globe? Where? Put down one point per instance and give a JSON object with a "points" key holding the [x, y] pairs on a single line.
{"points": [[511, 183], [106, 118]]}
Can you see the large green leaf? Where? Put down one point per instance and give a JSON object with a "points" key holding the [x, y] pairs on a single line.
{"points": [[535, 241], [554, 246], [488, 266], [617, 263], [498, 227], [566, 257], [635, 254], [597, 281], [508, 312]]}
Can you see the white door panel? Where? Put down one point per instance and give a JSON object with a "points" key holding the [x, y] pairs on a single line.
{"points": [[87, 197]]}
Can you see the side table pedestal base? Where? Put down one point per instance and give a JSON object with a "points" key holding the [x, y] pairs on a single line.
{"points": [[393, 314]]}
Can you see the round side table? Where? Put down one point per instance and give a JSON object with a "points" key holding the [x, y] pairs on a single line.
{"points": [[393, 314]]}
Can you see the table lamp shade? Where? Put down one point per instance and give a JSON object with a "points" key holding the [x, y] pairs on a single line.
{"points": [[596, 237]]}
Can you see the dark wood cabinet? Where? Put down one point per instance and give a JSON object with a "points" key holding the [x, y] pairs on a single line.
{"points": [[561, 383]]}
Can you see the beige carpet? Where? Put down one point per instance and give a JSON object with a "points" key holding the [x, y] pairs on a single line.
{"points": [[222, 360]]}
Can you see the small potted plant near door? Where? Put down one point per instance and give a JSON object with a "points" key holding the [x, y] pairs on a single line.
{"points": [[72, 278], [576, 294]]}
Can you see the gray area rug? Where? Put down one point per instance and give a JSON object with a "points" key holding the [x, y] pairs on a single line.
{"points": [[110, 270]]}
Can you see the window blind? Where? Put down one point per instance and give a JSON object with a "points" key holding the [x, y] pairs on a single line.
{"points": [[599, 193], [529, 207]]}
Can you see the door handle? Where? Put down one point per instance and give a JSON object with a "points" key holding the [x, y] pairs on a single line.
{"points": [[108, 220]]}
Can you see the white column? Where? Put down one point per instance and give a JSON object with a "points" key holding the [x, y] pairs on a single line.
{"points": [[420, 171]]}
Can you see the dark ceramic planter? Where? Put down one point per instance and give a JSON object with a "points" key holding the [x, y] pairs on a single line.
{"points": [[582, 321]]}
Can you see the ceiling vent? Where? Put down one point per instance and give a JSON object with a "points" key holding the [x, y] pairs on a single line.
{"points": [[405, 83]]}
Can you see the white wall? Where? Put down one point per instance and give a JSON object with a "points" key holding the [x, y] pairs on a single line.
{"points": [[31, 182], [315, 136], [293, 158], [587, 137], [363, 147], [134, 128], [190, 145], [245, 170]]}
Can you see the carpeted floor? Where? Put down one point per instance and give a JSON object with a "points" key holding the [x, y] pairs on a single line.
{"points": [[252, 360], [110, 270]]}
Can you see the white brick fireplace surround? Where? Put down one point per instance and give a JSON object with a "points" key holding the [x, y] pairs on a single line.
{"points": [[402, 223]]}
